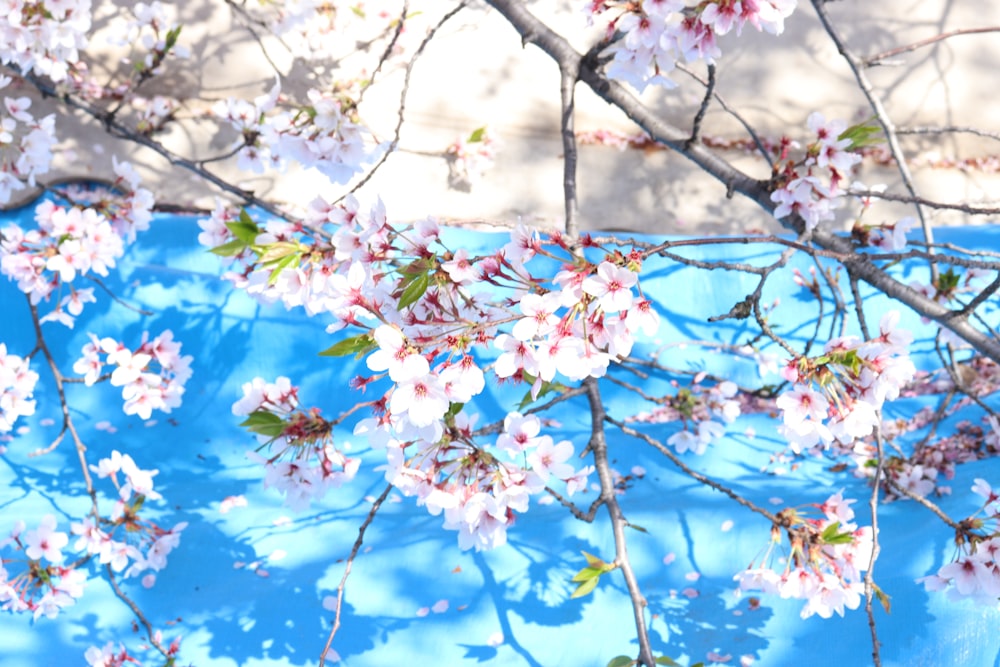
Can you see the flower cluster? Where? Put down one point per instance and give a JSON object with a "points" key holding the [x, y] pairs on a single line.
{"points": [[576, 330], [478, 486], [68, 242], [975, 571], [154, 113], [44, 37], [824, 567], [814, 186], [931, 465], [153, 32], [108, 657], [319, 134], [17, 384], [469, 157], [143, 544], [696, 406], [25, 143], [45, 586], [313, 29], [74, 241], [427, 314], [891, 236], [303, 461], [837, 396], [152, 377], [656, 33]]}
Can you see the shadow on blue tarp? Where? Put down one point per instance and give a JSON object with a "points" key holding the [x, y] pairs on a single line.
{"points": [[414, 598]]}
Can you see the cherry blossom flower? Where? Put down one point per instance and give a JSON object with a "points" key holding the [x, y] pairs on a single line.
{"points": [[419, 394], [107, 656], [17, 385], [142, 389], [520, 433], [45, 542], [539, 318], [892, 237], [612, 286]]}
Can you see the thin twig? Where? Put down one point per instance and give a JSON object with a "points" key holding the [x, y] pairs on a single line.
{"points": [[117, 299], [929, 203], [859, 306], [387, 52], [347, 570], [256, 37], [869, 573], [700, 115], [902, 490], [130, 603], [586, 517], [68, 425], [761, 146], [663, 449], [402, 101], [875, 59], [948, 129], [857, 67]]}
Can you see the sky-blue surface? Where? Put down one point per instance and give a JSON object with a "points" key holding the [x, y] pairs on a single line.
{"points": [[394, 615]]}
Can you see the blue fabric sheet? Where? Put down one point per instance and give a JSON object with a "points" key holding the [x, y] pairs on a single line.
{"points": [[230, 615]]}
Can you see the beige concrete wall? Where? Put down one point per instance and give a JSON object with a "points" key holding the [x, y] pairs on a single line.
{"points": [[476, 72]]}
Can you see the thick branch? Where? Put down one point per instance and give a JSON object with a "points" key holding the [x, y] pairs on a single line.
{"points": [[599, 446], [567, 86]]}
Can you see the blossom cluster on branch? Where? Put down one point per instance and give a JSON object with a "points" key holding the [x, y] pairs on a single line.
{"points": [[544, 317], [41, 580], [825, 560], [657, 33]]}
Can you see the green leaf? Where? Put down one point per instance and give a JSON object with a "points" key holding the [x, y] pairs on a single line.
{"points": [[587, 573], [229, 248], [585, 588], [664, 660], [883, 599], [594, 561], [477, 135], [947, 281], [244, 228], [832, 535], [274, 252], [862, 134], [453, 410], [546, 388], [414, 290], [356, 345], [621, 661], [282, 264], [171, 39], [264, 423], [635, 526]]}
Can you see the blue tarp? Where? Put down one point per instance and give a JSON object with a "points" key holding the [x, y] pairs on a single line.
{"points": [[414, 598]]}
